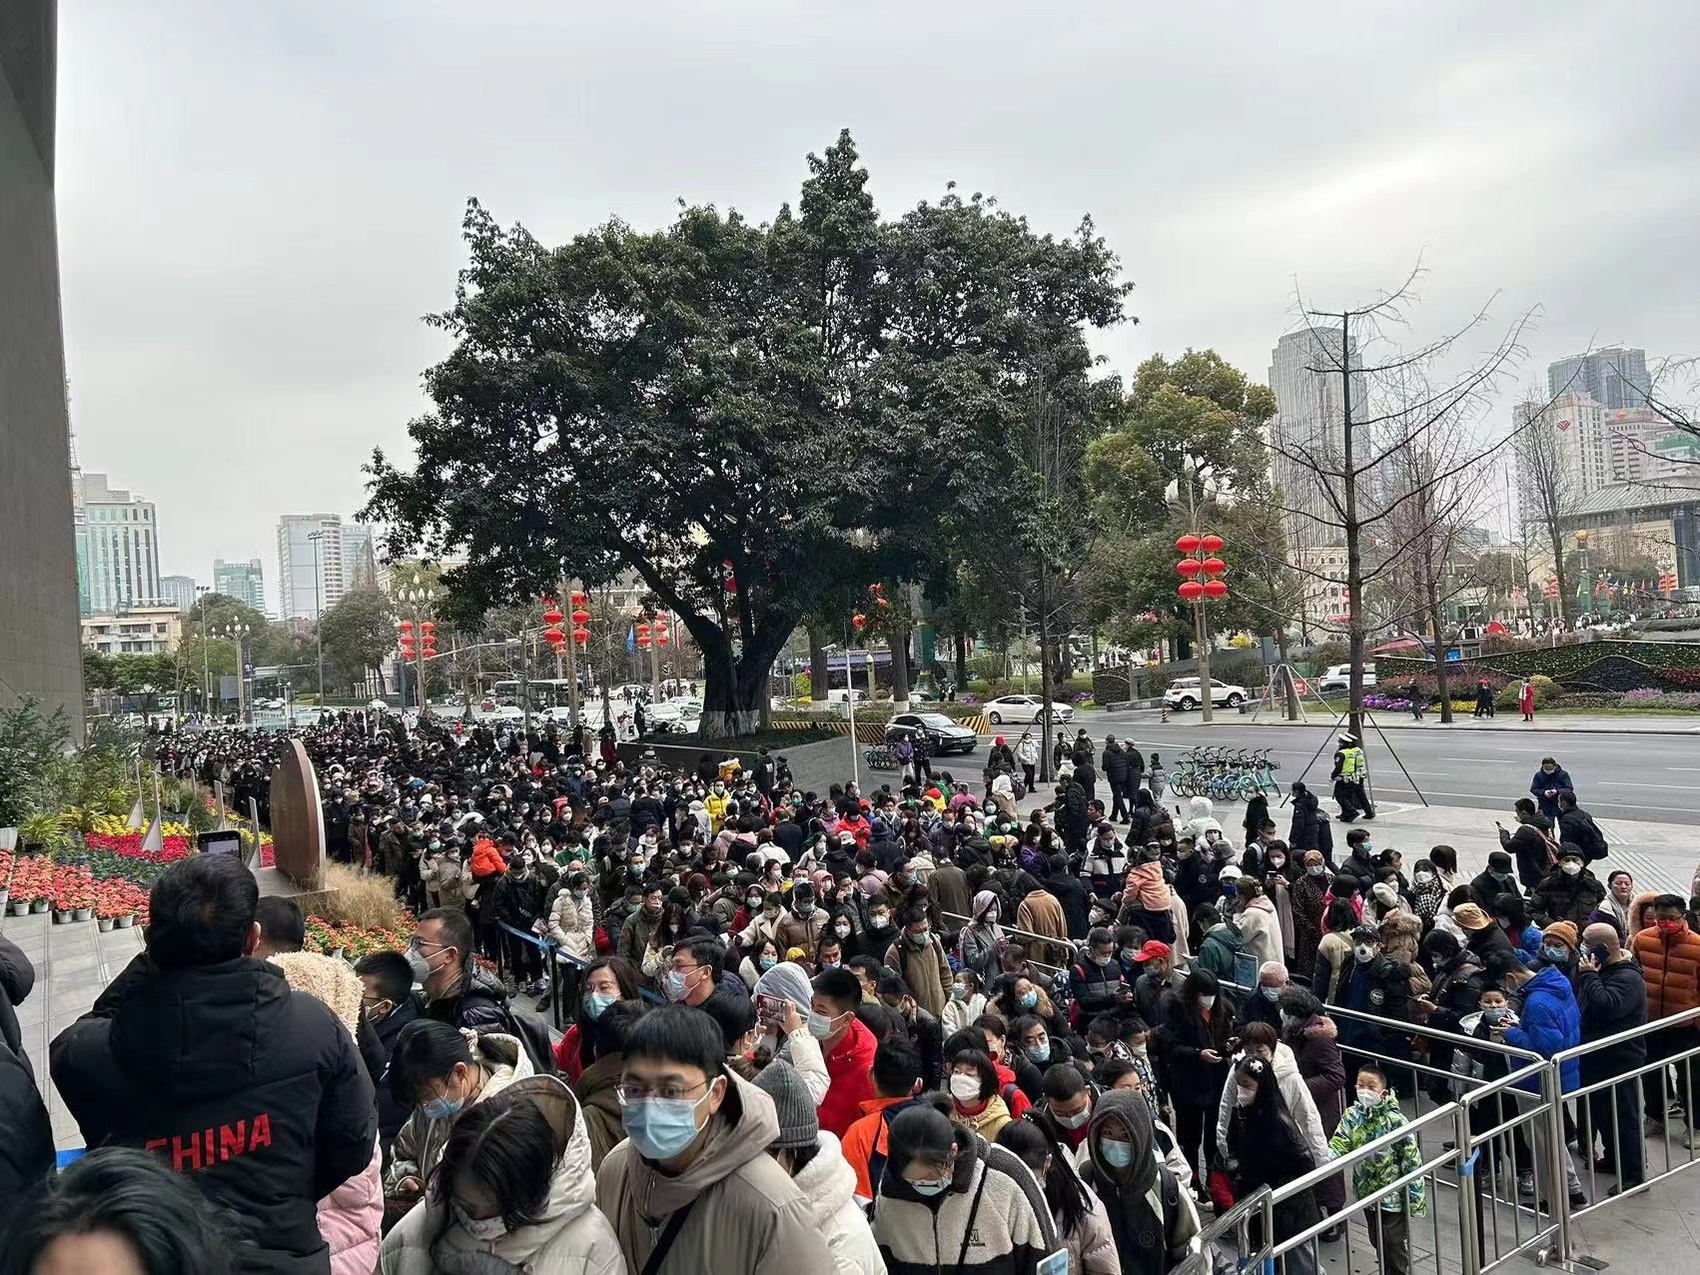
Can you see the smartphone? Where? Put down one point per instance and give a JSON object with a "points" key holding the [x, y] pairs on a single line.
{"points": [[1233, 1043], [770, 1012]]}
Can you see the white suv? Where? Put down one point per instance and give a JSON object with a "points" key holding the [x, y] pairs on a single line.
{"points": [[1339, 678], [1184, 694]]}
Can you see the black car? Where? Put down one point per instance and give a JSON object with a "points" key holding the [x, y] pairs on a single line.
{"points": [[946, 736]]}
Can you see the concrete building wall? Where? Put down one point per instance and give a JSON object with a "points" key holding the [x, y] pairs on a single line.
{"points": [[40, 650]]}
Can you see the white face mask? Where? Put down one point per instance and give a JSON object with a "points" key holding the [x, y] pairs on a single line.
{"points": [[965, 1088], [1364, 952], [1207, 1002], [1570, 869], [1367, 1098], [1243, 1096]]}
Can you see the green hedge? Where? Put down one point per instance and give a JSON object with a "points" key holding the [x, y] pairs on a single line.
{"points": [[1613, 664]]}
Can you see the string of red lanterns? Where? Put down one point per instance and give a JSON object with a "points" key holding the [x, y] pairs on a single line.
{"points": [[1200, 559]]}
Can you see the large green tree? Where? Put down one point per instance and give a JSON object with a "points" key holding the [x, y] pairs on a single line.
{"points": [[749, 417], [359, 631]]}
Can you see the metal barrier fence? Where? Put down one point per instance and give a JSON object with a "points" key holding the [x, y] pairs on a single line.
{"points": [[1027, 937], [1500, 1186]]}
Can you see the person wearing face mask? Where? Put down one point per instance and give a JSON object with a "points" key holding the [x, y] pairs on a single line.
{"points": [[977, 945], [439, 1072], [1495, 879], [597, 1087], [1081, 1221], [520, 898], [1267, 1147], [1569, 892], [972, 1084], [515, 1187], [1611, 993], [693, 1188], [1152, 1220], [605, 981], [944, 1204], [388, 1002], [919, 957], [1374, 1115], [1221, 949], [1096, 982], [1193, 1044], [1306, 895], [1669, 954], [572, 921], [1374, 983]]}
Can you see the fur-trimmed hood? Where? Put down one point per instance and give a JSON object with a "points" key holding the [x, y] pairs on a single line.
{"points": [[331, 982]]}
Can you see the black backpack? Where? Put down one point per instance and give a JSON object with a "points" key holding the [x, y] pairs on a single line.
{"points": [[533, 1033]]}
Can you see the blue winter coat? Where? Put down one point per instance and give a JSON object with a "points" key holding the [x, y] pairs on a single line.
{"points": [[1549, 1022], [1559, 779], [1528, 945]]}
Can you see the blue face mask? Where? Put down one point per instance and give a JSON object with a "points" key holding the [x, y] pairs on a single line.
{"points": [[1030, 1000], [1229, 889], [661, 1128], [441, 1108], [929, 1188], [1118, 1155], [1270, 993], [1040, 1053], [596, 1003]]}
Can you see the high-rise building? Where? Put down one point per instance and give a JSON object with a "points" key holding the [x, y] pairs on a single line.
{"points": [[244, 581], [117, 540], [179, 591], [39, 651], [359, 557], [309, 562], [1565, 447], [1613, 377], [1304, 373]]}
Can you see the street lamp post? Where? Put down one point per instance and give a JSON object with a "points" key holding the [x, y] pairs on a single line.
{"points": [[318, 614], [238, 631], [206, 663], [417, 599]]}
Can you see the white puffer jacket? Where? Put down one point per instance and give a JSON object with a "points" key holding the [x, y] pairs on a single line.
{"points": [[829, 1184], [573, 1238], [572, 924]]}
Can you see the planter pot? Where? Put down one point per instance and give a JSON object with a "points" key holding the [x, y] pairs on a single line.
{"points": [[20, 908], [82, 914], [104, 923], [61, 918], [40, 905], [126, 921]]}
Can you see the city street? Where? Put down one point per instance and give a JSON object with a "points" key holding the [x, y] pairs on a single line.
{"points": [[1622, 775]]}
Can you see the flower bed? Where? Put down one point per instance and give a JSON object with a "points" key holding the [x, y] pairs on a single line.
{"points": [[73, 887], [354, 942], [114, 899], [32, 879]]}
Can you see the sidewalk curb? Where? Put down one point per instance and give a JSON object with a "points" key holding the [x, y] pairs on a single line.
{"points": [[1518, 728]]}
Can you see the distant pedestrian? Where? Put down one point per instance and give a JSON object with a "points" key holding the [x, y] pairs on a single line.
{"points": [[1351, 768], [1414, 693], [1526, 699], [1484, 699]]}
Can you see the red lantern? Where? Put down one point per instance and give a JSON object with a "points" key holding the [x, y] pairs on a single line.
{"points": [[407, 650], [1188, 567], [554, 636], [643, 641], [1187, 544], [731, 585], [1215, 588], [661, 639], [581, 636], [858, 622], [1214, 566], [428, 628], [579, 598], [643, 628], [429, 652], [1211, 543], [551, 614], [581, 617], [1191, 590], [406, 626]]}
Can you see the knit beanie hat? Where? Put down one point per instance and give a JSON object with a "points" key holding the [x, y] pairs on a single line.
{"points": [[1564, 932], [798, 1126]]}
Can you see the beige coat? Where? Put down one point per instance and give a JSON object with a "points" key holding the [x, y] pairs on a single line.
{"points": [[747, 1216], [573, 925], [571, 1238]]}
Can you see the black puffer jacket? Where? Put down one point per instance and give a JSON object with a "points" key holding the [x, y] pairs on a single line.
{"points": [[227, 1075], [26, 1136]]}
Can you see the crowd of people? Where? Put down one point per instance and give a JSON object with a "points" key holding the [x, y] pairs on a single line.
{"points": [[903, 1029]]}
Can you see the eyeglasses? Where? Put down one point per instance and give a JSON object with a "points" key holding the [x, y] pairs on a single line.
{"points": [[630, 1093]]}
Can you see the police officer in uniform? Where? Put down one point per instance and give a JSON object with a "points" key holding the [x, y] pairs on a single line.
{"points": [[1351, 768]]}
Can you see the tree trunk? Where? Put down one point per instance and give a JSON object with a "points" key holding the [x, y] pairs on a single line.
{"points": [[1045, 682], [961, 659], [1354, 547], [1441, 677], [819, 671], [899, 643], [735, 686], [1566, 604], [1289, 691]]}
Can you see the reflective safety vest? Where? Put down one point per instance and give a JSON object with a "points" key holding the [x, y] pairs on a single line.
{"points": [[1352, 762]]}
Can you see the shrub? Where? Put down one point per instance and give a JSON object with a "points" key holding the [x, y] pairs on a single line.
{"points": [[361, 899]]}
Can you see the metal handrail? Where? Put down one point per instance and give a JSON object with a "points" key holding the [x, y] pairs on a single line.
{"points": [[1623, 1037], [1024, 934]]}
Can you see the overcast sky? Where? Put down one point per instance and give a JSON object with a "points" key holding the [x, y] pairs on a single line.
{"points": [[257, 201]]}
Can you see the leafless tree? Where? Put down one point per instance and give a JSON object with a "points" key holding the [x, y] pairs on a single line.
{"points": [[1549, 490], [1383, 413]]}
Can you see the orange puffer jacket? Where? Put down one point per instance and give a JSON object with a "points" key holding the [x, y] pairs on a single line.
{"points": [[1671, 967]]}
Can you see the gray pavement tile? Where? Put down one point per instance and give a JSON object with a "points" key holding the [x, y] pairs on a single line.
{"points": [[71, 964], [32, 1011]]}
